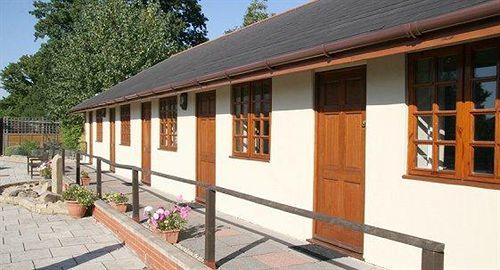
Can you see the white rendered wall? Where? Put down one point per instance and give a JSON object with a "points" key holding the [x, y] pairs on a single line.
{"points": [[101, 149], [288, 176], [130, 155], [466, 219], [182, 162]]}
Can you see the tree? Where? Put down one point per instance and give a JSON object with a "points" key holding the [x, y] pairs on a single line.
{"points": [[19, 80], [92, 45], [256, 11], [58, 17]]}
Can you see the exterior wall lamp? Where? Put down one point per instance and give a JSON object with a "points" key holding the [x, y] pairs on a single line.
{"points": [[183, 102]]}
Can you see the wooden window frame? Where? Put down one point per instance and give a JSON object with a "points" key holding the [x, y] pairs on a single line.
{"points": [[125, 125], [99, 117], [464, 128], [168, 123], [251, 119]]}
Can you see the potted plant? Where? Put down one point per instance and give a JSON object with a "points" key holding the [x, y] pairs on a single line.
{"points": [[46, 170], [117, 200], [85, 179], [78, 200], [168, 223]]}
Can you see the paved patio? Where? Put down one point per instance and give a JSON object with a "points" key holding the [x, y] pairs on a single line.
{"points": [[36, 241], [239, 244]]}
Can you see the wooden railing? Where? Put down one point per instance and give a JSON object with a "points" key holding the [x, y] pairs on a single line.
{"points": [[432, 251]]}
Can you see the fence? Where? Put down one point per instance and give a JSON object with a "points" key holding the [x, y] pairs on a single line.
{"points": [[432, 251], [16, 130]]}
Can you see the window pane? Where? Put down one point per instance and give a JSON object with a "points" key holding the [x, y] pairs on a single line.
{"points": [[447, 127], [256, 148], [237, 144], [267, 91], [266, 109], [483, 160], [447, 97], [237, 94], [244, 127], [485, 63], [424, 128], [484, 95], [424, 99], [256, 127], [447, 68], [424, 156], [237, 110], [446, 157], [244, 93], [423, 70], [256, 109], [237, 127], [244, 109], [265, 146], [266, 128], [244, 145], [257, 91], [484, 127]]}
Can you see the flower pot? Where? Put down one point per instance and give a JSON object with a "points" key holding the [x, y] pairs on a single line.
{"points": [[75, 209], [85, 181], [171, 236], [120, 207]]}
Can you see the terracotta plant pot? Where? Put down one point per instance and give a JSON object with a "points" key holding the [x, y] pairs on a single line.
{"points": [[75, 209], [171, 236], [120, 207], [85, 181]]}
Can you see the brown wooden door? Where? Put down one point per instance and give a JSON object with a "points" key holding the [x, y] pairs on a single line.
{"points": [[205, 146], [112, 136], [91, 137], [146, 142], [340, 176]]}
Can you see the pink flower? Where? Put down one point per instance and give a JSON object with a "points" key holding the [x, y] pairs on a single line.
{"points": [[156, 216], [160, 211]]}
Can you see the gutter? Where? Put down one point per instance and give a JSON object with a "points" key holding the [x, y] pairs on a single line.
{"points": [[410, 30]]}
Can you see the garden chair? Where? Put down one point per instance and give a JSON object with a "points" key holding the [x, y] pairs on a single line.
{"points": [[36, 159]]}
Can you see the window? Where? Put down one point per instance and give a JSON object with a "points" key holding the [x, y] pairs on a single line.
{"points": [[168, 123], [125, 125], [100, 114], [454, 104], [251, 109]]}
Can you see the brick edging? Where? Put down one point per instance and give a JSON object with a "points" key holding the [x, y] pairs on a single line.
{"points": [[153, 251]]}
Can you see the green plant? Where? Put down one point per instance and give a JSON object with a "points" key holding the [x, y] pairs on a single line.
{"points": [[82, 195], [84, 174], [24, 149], [115, 197], [46, 170]]}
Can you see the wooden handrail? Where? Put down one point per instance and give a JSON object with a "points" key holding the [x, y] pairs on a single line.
{"points": [[432, 251]]}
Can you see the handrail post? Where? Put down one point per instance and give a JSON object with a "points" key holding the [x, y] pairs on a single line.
{"points": [[432, 260], [98, 178], [63, 156], [78, 168], [135, 195], [210, 228]]}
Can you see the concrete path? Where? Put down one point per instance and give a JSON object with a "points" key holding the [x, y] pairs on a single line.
{"points": [[239, 244]]}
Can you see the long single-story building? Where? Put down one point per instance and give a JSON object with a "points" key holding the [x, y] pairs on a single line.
{"points": [[381, 112]]}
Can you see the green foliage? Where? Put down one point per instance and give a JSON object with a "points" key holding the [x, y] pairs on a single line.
{"points": [[71, 135], [82, 195], [24, 149], [90, 46], [256, 11], [84, 174], [115, 197]]}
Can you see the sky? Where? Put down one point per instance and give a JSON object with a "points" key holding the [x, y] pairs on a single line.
{"points": [[17, 25]]}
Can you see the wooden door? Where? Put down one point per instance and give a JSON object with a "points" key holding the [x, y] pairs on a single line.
{"points": [[340, 150], [112, 136], [91, 136], [146, 143], [205, 146]]}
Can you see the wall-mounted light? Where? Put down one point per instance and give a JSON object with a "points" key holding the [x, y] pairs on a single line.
{"points": [[183, 102]]}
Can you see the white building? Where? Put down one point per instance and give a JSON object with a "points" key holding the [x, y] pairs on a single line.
{"points": [[381, 114]]}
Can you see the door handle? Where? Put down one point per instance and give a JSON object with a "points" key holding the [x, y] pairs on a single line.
{"points": [[363, 124]]}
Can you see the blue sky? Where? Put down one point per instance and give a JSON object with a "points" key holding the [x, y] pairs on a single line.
{"points": [[16, 25]]}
